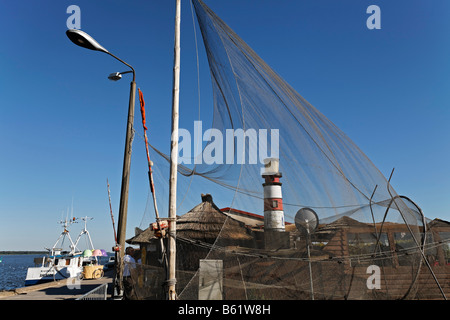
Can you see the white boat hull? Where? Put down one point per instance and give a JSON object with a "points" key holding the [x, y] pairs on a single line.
{"points": [[38, 275]]}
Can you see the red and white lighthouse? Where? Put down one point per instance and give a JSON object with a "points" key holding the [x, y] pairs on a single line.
{"points": [[273, 199]]}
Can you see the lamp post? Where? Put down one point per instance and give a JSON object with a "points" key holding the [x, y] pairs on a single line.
{"points": [[84, 40], [115, 76]]}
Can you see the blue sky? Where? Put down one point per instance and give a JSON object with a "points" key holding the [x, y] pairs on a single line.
{"points": [[62, 122]]}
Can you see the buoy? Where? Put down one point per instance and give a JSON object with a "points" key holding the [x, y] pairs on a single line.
{"points": [[97, 253], [87, 253]]}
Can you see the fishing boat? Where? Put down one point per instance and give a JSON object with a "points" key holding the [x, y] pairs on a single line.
{"points": [[61, 264]]}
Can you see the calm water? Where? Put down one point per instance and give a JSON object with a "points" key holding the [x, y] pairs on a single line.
{"points": [[13, 270]]}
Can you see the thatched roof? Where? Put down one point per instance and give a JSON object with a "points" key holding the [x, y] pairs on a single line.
{"points": [[346, 222], [438, 223], [343, 222], [143, 237], [205, 222]]}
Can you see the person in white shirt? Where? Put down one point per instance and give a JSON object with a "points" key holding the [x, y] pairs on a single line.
{"points": [[129, 263]]}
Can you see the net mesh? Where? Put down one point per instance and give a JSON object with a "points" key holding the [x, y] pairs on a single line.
{"points": [[369, 243]]}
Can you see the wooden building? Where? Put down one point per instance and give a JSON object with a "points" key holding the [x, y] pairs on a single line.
{"points": [[341, 260]]}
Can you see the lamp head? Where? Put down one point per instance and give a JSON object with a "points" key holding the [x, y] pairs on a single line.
{"points": [[84, 40], [115, 76]]}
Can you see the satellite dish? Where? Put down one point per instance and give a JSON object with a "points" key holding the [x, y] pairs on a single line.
{"points": [[306, 220]]}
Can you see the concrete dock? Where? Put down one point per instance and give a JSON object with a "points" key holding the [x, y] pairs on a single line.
{"points": [[58, 290]]}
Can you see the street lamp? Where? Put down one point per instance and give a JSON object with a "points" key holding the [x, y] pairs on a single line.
{"points": [[117, 75], [84, 40]]}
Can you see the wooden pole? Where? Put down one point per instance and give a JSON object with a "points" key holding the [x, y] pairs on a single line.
{"points": [[123, 205], [171, 281], [112, 216]]}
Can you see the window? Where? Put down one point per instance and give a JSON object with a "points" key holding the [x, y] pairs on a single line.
{"points": [[445, 239], [406, 248], [362, 247], [431, 251]]}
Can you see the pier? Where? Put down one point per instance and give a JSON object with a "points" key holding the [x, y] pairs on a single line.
{"points": [[65, 289]]}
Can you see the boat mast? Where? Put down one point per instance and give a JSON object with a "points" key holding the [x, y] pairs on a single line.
{"points": [[171, 279], [63, 235], [85, 231]]}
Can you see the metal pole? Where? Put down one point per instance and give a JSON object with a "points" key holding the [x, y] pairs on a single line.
{"points": [[308, 243], [123, 206], [171, 281]]}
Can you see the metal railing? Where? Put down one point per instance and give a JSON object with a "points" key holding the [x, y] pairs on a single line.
{"points": [[99, 293]]}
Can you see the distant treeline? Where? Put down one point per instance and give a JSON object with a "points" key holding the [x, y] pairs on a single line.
{"points": [[21, 252]]}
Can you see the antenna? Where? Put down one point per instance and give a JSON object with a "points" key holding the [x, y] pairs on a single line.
{"points": [[71, 214]]}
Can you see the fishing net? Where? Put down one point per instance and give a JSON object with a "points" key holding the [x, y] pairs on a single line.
{"points": [[365, 241]]}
